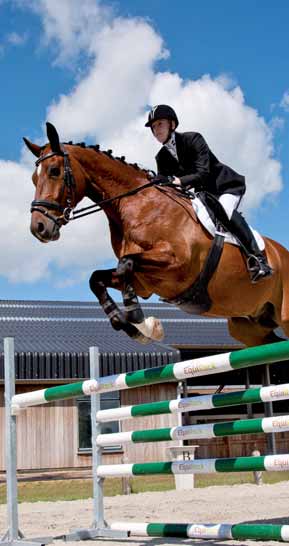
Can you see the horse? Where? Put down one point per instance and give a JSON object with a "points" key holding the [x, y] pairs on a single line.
{"points": [[160, 245]]}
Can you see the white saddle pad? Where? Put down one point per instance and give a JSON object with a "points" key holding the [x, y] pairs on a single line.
{"points": [[208, 224]]}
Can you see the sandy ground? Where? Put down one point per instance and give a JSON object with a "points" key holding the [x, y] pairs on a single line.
{"points": [[238, 503]]}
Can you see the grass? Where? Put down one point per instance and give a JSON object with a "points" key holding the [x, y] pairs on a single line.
{"points": [[54, 490]]}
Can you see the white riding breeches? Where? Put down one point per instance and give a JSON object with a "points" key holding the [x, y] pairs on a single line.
{"points": [[230, 203]]}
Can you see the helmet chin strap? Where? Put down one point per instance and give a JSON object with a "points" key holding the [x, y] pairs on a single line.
{"points": [[171, 130]]}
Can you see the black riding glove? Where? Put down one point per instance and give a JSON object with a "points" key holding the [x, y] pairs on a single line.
{"points": [[161, 180]]}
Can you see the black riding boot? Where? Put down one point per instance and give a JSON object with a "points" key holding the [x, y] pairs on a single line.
{"points": [[257, 264]]}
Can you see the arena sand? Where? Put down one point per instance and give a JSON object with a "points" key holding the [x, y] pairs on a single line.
{"points": [[246, 503]]}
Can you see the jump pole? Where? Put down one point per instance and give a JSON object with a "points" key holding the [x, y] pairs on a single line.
{"points": [[174, 372], [224, 531], [265, 425], [273, 463], [197, 403], [244, 358]]}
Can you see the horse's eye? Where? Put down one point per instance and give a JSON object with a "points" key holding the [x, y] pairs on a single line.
{"points": [[54, 171]]}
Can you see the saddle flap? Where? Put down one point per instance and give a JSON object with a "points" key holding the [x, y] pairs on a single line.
{"points": [[206, 219]]}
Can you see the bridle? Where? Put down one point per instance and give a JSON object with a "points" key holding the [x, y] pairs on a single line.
{"points": [[67, 212], [68, 184]]}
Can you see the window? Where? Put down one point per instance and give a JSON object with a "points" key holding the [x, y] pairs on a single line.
{"points": [[107, 401]]}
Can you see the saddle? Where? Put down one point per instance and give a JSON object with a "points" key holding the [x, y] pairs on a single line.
{"points": [[196, 299]]}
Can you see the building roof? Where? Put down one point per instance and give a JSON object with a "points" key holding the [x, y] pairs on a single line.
{"points": [[64, 326], [52, 338]]}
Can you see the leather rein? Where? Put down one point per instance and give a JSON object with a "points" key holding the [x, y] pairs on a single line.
{"points": [[67, 212]]}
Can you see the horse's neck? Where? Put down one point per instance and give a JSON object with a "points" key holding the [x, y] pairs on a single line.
{"points": [[108, 177]]}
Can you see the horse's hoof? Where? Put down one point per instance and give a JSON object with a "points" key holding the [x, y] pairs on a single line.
{"points": [[158, 332], [140, 338], [120, 323], [151, 328]]}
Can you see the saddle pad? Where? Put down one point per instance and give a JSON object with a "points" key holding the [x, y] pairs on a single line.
{"points": [[208, 224]]}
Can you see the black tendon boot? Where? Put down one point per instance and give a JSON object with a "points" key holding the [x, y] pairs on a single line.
{"points": [[257, 264]]}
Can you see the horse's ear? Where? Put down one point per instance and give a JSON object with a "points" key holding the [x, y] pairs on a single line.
{"points": [[34, 148], [53, 137]]}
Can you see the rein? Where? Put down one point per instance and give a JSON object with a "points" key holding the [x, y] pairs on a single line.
{"points": [[99, 205], [67, 212]]}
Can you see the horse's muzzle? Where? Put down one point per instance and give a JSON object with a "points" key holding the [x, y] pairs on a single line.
{"points": [[44, 229]]}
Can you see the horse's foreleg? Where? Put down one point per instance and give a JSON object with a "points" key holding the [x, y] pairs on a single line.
{"points": [[150, 327], [99, 281]]}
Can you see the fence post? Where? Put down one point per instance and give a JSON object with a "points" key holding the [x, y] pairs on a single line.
{"points": [[10, 440], [98, 510], [13, 536]]}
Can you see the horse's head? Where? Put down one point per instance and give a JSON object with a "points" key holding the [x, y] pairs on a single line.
{"points": [[59, 185]]}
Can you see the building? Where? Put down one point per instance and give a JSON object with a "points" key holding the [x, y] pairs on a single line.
{"points": [[52, 340]]}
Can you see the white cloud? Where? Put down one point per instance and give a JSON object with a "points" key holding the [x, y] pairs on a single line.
{"points": [[234, 131], [117, 86], [285, 101], [16, 39], [81, 247], [109, 102], [70, 26], [277, 123]]}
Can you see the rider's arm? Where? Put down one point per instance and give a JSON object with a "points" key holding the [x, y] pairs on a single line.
{"points": [[201, 158]]}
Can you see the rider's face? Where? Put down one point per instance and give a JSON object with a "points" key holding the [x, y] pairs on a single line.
{"points": [[161, 129]]}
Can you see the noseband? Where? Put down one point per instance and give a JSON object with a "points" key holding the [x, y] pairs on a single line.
{"points": [[68, 184]]}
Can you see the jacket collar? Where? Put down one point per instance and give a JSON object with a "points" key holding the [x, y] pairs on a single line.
{"points": [[179, 146], [166, 155]]}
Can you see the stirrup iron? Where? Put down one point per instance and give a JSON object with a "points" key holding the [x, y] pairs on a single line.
{"points": [[258, 268]]}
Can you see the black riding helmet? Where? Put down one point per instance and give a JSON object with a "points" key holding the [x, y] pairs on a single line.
{"points": [[162, 111]]}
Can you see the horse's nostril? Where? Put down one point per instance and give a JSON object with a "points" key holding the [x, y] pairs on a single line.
{"points": [[41, 227]]}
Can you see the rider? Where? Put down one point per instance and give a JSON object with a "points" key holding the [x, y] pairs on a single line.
{"points": [[187, 157]]}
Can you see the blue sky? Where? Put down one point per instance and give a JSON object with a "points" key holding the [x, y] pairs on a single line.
{"points": [[52, 67]]}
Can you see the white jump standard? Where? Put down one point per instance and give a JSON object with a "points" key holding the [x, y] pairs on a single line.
{"points": [[13, 536]]}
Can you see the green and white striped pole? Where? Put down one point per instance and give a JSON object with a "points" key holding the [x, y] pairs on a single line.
{"points": [[224, 531], [275, 463], [253, 356], [197, 403], [194, 432]]}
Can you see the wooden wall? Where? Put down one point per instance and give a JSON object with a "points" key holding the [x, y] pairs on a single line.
{"points": [[47, 436]]}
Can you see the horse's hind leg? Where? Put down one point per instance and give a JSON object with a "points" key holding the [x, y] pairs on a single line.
{"points": [[255, 330], [99, 281], [150, 327]]}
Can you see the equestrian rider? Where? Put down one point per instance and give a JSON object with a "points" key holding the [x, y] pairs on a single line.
{"points": [[187, 158]]}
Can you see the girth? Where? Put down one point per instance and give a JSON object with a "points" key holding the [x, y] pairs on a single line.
{"points": [[195, 299]]}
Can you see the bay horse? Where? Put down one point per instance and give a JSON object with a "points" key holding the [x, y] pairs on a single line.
{"points": [[160, 245]]}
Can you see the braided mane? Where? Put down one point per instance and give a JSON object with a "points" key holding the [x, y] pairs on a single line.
{"points": [[109, 153]]}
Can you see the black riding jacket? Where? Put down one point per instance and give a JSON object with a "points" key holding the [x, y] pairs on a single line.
{"points": [[197, 167]]}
